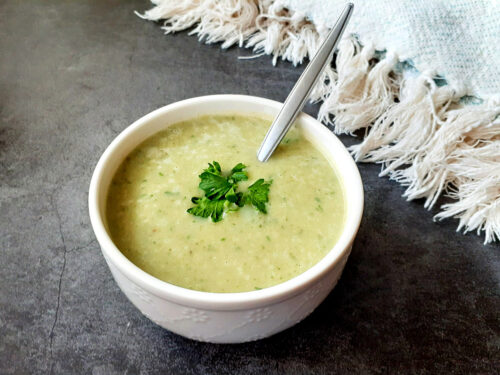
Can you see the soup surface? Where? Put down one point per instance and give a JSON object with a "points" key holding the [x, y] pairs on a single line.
{"points": [[247, 250]]}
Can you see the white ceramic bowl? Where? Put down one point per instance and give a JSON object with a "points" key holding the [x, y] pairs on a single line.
{"points": [[225, 317]]}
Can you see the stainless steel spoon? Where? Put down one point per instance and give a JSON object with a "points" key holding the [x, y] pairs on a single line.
{"points": [[302, 89]]}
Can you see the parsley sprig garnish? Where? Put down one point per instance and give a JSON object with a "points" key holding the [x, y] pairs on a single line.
{"points": [[222, 195]]}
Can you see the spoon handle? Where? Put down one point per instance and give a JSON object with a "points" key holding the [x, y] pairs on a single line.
{"points": [[302, 89]]}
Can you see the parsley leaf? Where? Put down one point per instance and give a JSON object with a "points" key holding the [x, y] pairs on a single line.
{"points": [[213, 183], [214, 186], [214, 168], [258, 195], [208, 208], [237, 173]]}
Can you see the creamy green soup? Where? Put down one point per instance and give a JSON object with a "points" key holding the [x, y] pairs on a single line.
{"points": [[247, 250]]}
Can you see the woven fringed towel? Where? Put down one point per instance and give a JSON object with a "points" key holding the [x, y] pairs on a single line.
{"points": [[434, 134]]}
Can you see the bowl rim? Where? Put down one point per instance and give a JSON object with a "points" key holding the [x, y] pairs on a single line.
{"points": [[240, 300]]}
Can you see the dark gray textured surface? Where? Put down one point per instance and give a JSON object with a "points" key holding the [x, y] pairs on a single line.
{"points": [[415, 296]]}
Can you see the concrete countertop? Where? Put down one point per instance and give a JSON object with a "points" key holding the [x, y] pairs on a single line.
{"points": [[415, 297]]}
